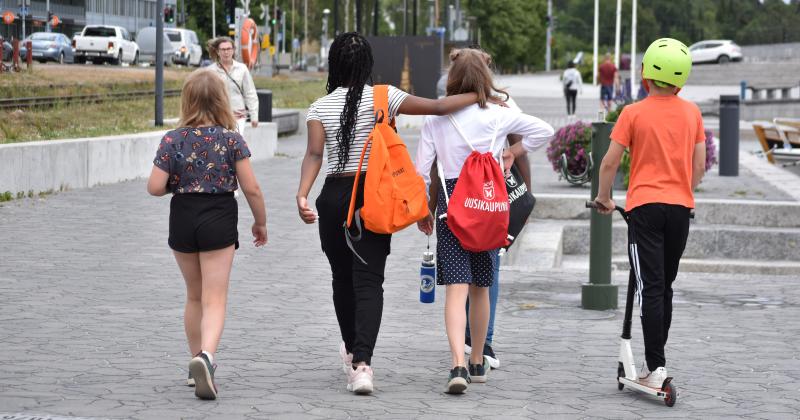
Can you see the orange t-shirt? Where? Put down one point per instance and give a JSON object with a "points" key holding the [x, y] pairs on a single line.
{"points": [[660, 133]]}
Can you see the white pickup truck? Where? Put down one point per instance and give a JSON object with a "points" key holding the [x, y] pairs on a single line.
{"points": [[99, 43]]}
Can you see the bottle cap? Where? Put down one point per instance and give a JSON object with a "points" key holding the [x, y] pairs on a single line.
{"points": [[427, 256]]}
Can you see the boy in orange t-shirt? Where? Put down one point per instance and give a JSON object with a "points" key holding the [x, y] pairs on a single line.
{"points": [[665, 137]]}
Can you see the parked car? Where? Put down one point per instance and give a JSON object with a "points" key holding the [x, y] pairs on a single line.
{"points": [[8, 50], [99, 43], [48, 46], [187, 47], [146, 38], [719, 51]]}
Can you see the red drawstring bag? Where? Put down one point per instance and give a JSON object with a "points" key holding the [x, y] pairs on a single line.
{"points": [[478, 210]]}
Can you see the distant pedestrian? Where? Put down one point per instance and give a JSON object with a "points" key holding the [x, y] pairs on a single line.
{"points": [[608, 76], [202, 163], [573, 83], [339, 123], [239, 82]]}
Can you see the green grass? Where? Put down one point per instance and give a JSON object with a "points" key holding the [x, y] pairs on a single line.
{"points": [[292, 93], [84, 120]]}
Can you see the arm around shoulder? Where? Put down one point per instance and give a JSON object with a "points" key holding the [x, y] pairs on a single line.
{"points": [[415, 105]]}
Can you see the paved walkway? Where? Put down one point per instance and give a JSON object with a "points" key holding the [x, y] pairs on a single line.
{"points": [[91, 306]]}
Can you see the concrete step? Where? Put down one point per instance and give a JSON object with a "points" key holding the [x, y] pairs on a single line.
{"points": [[620, 262], [538, 247], [709, 211], [705, 241]]}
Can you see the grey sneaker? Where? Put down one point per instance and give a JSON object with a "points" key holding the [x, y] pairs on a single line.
{"points": [[457, 381], [202, 371], [479, 372]]}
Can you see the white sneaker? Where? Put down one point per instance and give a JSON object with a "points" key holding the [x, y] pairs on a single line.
{"points": [[652, 379], [347, 359], [359, 380]]}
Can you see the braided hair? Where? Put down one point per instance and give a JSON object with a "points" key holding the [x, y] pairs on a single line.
{"points": [[349, 65]]}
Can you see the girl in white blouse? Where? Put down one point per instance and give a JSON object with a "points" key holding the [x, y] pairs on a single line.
{"points": [[469, 274]]}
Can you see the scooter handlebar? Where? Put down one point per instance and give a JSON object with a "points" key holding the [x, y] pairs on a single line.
{"points": [[594, 205]]}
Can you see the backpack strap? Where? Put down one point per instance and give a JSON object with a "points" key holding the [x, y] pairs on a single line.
{"points": [[380, 103]]}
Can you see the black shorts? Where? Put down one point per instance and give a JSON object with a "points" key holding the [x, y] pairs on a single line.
{"points": [[203, 222]]}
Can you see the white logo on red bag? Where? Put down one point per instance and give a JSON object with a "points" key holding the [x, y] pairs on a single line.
{"points": [[488, 190]]}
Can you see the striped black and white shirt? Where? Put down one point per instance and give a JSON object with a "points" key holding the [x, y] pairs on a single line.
{"points": [[328, 110]]}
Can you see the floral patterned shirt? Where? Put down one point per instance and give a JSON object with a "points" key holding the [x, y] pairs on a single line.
{"points": [[201, 160]]}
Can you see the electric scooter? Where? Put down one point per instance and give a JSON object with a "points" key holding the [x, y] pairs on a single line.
{"points": [[626, 368]]}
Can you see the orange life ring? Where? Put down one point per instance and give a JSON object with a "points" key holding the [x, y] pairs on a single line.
{"points": [[249, 41]]}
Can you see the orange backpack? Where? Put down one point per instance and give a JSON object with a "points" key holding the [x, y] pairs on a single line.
{"points": [[394, 194]]}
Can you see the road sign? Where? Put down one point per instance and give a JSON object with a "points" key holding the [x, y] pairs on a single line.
{"points": [[23, 10], [8, 18]]}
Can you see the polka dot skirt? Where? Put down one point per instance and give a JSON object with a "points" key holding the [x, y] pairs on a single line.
{"points": [[454, 264]]}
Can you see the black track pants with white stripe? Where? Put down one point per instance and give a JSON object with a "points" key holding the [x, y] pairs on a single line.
{"points": [[656, 239]]}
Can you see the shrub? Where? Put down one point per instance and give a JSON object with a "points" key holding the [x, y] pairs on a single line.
{"points": [[574, 140]]}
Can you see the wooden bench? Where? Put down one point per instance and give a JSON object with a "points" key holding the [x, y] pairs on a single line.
{"points": [[778, 141]]}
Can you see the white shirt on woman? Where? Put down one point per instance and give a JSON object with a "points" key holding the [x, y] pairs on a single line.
{"points": [[440, 141], [574, 76]]}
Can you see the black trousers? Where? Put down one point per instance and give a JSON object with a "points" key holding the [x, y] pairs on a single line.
{"points": [[656, 239], [571, 96], [357, 287]]}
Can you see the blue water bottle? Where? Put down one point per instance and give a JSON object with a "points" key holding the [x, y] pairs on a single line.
{"points": [[427, 276]]}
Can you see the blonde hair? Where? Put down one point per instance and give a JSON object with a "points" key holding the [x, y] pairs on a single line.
{"points": [[213, 45], [469, 72], [204, 100]]}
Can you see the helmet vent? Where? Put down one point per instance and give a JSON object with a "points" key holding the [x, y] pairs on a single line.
{"points": [[662, 45], [678, 73], [657, 68], [684, 52]]}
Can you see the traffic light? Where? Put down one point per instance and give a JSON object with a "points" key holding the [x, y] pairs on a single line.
{"points": [[49, 16], [169, 14], [276, 17], [230, 7]]}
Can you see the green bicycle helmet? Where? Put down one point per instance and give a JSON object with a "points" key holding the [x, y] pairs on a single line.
{"points": [[667, 62]]}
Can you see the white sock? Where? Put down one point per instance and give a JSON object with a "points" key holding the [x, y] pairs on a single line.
{"points": [[210, 356]]}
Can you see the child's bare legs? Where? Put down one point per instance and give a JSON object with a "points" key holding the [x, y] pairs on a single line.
{"points": [[216, 268], [478, 322], [455, 320], [206, 275], [189, 263]]}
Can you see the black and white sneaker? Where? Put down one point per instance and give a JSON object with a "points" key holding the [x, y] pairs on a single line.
{"points": [[202, 371], [479, 372], [488, 354], [457, 381]]}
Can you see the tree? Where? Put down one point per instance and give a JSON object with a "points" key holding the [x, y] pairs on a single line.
{"points": [[512, 31]]}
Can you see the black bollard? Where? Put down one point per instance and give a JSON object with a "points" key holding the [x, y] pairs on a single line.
{"points": [[729, 135], [264, 105]]}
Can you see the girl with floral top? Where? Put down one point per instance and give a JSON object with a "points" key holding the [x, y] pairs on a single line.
{"points": [[202, 163]]}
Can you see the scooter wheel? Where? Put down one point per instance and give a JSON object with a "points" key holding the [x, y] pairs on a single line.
{"points": [[620, 374], [672, 394]]}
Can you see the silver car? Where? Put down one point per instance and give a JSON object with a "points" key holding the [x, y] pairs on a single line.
{"points": [[48, 46], [187, 47]]}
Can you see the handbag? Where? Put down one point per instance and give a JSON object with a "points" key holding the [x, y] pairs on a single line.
{"points": [[521, 202]]}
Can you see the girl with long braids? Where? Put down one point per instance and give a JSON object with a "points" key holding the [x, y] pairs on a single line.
{"points": [[340, 123]]}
